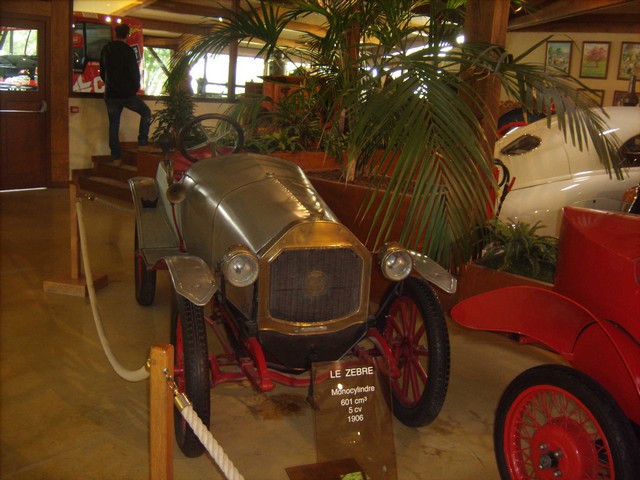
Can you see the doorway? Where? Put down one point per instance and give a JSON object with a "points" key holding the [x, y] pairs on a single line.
{"points": [[24, 116]]}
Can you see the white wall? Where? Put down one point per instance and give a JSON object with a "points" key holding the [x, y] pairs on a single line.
{"points": [[518, 43], [89, 127]]}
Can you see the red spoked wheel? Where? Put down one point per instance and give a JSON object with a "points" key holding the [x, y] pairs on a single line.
{"points": [[555, 422], [414, 327], [191, 370], [144, 279]]}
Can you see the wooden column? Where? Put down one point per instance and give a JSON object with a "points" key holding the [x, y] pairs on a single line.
{"points": [[160, 413], [233, 60], [487, 22], [74, 284]]}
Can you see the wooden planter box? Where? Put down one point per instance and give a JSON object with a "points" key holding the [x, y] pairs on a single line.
{"points": [[345, 201], [310, 161], [476, 279], [148, 161]]}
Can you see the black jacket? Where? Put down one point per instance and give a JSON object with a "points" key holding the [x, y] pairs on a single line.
{"points": [[119, 70]]}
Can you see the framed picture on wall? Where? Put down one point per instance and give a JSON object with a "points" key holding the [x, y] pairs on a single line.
{"points": [[596, 95], [595, 59], [617, 97], [558, 56], [629, 60]]}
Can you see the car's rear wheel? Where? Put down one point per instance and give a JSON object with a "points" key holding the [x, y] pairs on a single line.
{"points": [[145, 280], [192, 370], [413, 325], [555, 422]]}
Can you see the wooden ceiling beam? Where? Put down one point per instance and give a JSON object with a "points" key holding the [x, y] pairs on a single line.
{"points": [[172, 27], [161, 42], [130, 9], [183, 8], [560, 10], [595, 23]]}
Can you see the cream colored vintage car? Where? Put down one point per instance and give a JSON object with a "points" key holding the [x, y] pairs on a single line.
{"points": [[547, 173]]}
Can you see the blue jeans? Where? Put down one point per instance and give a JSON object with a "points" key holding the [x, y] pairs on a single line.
{"points": [[114, 109]]}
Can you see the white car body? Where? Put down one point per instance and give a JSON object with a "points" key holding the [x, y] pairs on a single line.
{"points": [[556, 173]]}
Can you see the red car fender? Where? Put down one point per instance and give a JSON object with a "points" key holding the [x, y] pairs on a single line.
{"points": [[597, 348], [608, 354], [540, 314]]}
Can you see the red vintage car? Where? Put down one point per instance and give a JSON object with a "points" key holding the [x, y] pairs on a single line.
{"points": [[578, 421]]}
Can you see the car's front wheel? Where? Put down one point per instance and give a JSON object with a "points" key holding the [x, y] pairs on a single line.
{"points": [[191, 370], [413, 325], [556, 422]]}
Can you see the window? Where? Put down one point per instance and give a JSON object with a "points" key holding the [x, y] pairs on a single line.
{"points": [[88, 40], [210, 75], [521, 145], [18, 59], [156, 66], [631, 152], [249, 69]]}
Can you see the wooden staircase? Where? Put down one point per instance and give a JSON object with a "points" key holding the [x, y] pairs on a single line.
{"points": [[109, 180]]}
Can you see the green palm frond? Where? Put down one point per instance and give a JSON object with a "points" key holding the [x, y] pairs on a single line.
{"points": [[429, 118]]}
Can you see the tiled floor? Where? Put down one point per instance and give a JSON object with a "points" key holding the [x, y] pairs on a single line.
{"points": [[66, 415]]}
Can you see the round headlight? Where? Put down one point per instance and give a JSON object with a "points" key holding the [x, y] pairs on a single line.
{"points": [[240, 267], [395, 261]]}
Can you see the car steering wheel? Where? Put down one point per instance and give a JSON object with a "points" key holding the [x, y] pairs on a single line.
{"points": [[210, 135]]}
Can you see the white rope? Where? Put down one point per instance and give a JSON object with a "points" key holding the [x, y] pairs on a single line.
{"points": [[130, 375], [188, 413], [213, 447]]}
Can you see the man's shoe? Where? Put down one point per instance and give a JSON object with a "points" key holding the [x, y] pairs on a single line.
{"points": [[117, 162]]}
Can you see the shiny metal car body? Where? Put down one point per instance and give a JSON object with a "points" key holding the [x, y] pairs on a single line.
{"points": [[549, 173], [248, 235], [314, 273]]}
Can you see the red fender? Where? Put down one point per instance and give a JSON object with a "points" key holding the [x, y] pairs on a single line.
{"points": [[540, 314], [608, 354], [597, 348]]}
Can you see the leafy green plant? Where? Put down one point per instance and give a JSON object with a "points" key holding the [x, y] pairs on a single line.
{"points": [[517, 248], [278, 141], [428, 117], [178, 108]]}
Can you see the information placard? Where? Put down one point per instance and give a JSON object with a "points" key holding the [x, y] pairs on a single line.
{"points": [[354, 426]]}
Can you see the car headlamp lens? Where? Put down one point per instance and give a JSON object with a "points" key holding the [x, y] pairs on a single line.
{"points": [[395, 261], [240, 267]]}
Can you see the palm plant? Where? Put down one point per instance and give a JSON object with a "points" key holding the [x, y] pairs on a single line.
{"points": [[417, 105]]}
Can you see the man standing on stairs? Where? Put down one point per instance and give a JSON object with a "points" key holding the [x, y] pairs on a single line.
{"points": [[121, 75]]}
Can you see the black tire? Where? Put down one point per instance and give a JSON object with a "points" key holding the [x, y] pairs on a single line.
{"points": [[231, 130], [414, 309], [144, 279], [191, 358], [556, 422]]}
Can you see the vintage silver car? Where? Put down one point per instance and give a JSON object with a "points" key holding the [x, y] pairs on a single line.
{"points": [[283, 282]]}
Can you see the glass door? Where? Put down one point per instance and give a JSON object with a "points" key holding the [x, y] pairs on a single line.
{"points": [[24, 152]]}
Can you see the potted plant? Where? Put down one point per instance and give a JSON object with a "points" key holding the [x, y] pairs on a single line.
{"points": [[177, 109], [518, 249], [402, 89]]}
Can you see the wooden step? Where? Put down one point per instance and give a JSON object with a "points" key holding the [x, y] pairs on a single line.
{"points": [[122, 172], [107, 179], [104, 186]]}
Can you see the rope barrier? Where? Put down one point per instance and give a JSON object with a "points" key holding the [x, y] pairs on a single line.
{"points": [[129, 375], [180, 399], [202, 432]]}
